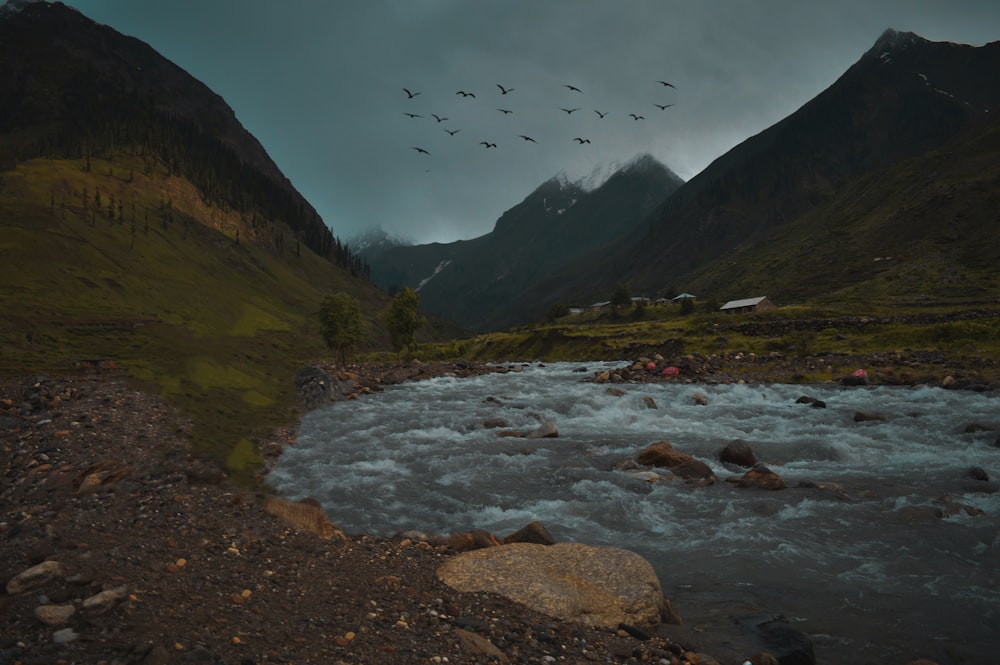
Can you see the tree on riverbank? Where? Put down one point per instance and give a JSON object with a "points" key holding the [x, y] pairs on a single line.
{"points": [[341, 324], [402, 317]]}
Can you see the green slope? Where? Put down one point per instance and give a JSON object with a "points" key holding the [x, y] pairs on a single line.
{"points": [[925, 230], [211, 309]]}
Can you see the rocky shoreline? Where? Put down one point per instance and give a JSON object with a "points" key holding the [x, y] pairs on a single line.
{"points": [[119, 545]]}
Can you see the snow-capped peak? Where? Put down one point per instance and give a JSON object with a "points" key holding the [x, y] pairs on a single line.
{"points": [[14, 6]]}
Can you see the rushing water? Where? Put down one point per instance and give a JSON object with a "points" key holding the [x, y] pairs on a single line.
{"points": [[864, 569]]}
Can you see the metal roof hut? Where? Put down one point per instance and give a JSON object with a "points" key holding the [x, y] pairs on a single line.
{"points": [[758, 304]]}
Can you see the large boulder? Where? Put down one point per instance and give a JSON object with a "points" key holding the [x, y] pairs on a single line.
{"points": [[593, 586], [314, 386], [662, 453]]}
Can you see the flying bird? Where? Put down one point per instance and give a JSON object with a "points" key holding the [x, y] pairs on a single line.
{"points": [[581, 141], [637, 117], [410, 95], [504, 111], [438, 118], [488, 144], [464, 93], [452, 132], [421, 150], [527, 138], [569, 110], [412, 115], [503, 90], [662, 107], [669, 85], [600, 114], [573, 88]]}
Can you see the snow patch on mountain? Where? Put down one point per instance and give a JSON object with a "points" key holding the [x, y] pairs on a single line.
{"points": [[441, 266]]}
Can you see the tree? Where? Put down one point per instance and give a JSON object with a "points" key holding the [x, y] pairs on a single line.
{"points": [[622, 296], [402, 317], [341, 324]]}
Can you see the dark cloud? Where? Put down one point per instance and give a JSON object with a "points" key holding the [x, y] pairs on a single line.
{"points": [[321, 86]]}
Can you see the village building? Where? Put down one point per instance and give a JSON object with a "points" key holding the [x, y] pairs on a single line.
{"points": [[758, 304], [684, 296]]}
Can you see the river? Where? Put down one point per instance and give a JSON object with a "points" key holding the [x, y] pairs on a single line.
{"points": [[862, 567]]}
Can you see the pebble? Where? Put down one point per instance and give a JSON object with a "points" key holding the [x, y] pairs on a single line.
{"points": [[101, 602], [54, 615], [64, 636], [34, 577]]}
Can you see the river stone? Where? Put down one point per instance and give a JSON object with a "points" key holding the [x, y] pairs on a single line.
{"points": [[54, 615], [593, 586], [535, 532], [738, 452], [546, 430], [101, 602], [761, 477], [662, 453], [34, 577]]}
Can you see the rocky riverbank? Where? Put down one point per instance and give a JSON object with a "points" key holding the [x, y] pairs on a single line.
{"points": [[119, 545]]}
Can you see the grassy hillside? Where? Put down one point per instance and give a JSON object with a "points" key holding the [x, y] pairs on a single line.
{"points": [[926, 230], [125, 263]]}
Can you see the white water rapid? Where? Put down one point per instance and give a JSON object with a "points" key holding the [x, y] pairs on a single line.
{"points": [[867, 568]]}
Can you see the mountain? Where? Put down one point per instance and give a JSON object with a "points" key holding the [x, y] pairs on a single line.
{"points": [[73, 88], [480, 283], [842, 176], [372, 243], [144, 231]]}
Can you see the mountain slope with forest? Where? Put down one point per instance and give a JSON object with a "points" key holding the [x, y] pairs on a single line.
{"points": [[145, 232]]}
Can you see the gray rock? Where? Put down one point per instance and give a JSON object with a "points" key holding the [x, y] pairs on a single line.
{"points": [[64, 636], [547, 430], [315, 387], [594, 586]]}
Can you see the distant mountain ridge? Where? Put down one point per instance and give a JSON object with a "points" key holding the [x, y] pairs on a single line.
{"points": [[808, 196], [478, 283], [905, 97]]}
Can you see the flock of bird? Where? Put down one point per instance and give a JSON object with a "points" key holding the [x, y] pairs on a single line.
{"points": [[503, 91]]}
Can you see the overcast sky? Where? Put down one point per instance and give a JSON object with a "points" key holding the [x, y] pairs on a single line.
{"points": [[321, 85]]}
